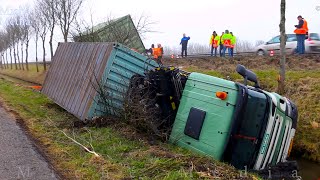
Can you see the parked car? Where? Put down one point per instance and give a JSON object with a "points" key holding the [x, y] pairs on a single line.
{"points": [[312, 45]]}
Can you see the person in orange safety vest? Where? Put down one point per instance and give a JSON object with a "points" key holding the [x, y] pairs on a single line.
{"points": [[226, 41], [301, 32], [214, 43], [157, 53]]}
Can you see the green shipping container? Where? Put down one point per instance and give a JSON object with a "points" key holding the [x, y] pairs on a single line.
{"points": [[203, 121]]}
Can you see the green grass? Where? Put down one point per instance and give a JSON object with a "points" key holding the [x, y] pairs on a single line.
{"points": [[303, 88], [121, 155]]}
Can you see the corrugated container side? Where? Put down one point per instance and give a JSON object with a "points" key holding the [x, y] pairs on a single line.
{"points": [[78, 69], [74, 69], [123, 63]]}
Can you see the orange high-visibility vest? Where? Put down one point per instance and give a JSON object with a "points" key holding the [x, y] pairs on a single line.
{"points": [[156, 52], [212, 39], [227, 42], [215, 43], [304, 29]]}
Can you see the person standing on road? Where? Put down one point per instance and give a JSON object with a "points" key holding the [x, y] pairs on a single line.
{"points": [[226, 41], [301, 31], [221, 45], [214, 43], [184, 44], [232, 44]]}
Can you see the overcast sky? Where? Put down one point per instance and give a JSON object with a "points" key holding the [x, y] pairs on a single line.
{"points": [[248, 19]]}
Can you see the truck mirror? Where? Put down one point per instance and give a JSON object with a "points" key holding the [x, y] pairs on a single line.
{"points": [[247, 75], [241, 70]]}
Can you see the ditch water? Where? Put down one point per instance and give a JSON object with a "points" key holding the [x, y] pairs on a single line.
{"points": [[308, 170]]}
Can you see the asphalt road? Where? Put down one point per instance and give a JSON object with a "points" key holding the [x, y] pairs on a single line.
{"points": [[18, 157]]}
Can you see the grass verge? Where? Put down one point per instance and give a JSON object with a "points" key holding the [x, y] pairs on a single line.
{"points": [[30, 76], [124, 153]]}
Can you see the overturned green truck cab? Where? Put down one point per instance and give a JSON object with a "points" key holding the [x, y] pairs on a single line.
{"points": [[231, 122]]}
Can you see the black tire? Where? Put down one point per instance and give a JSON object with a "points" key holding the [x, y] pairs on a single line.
{"points": [[260, 53]]}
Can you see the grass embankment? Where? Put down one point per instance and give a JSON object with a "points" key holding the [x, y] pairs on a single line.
{"points": [[124, 153], [302, 87], [30, 76]]}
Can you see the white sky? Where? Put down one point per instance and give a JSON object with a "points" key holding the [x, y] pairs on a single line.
{"points": [[248, 19]]}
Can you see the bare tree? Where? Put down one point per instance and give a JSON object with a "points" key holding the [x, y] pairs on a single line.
{"points": [[26, 30], [281, 81], [67, 11], [35, 25], [195, 48], [2, 49], [83, 32], [9, 44], [243, 46], [259, 42], [43, 33], [17, 31], [144, 25], [122, 30], [48, 9], [12, 40]]}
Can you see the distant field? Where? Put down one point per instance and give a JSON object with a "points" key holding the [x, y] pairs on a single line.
{"points": [[31, 76]]}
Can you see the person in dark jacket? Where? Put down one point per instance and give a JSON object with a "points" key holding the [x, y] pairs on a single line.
{"points": [[149, 51], [184, 44]]}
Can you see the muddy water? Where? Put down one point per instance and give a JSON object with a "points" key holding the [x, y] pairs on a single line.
{"points": [[309, 170]]}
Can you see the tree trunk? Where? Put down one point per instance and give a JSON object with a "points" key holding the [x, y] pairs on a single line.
{"points": [[44, 55], [6, 59], [22, 55], [10, 58], [18, 57], [37, 53], [282, 72], [65, 36], [27, 46], [15, 57], [1, 64], [50, 42]]}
